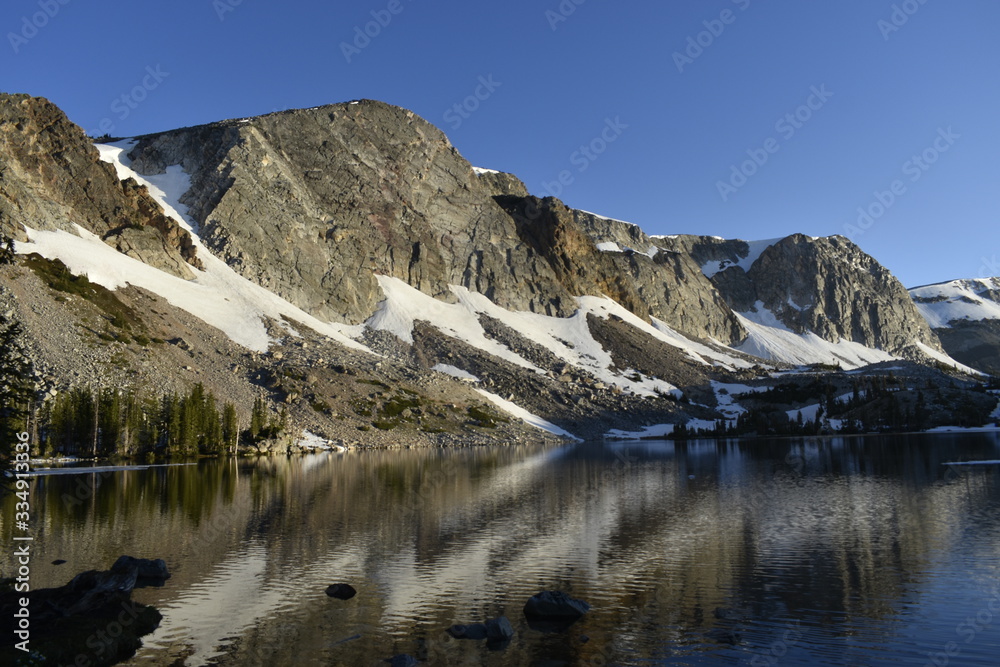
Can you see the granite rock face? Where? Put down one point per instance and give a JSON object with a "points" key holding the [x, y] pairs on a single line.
{"points": [[828, 286], [668, 283], [313, 203], [51, 177]]}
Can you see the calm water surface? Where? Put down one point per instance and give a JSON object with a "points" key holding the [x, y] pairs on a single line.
{"points": [[843, 551]]}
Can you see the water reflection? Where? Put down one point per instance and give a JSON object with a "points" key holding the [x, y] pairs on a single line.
{"points": [[827, 551]]}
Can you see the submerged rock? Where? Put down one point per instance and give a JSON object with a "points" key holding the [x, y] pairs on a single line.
{"points": [[497, 632], [553, 611], [341, 591], [554, 605], [403, 660], [471, 631]]}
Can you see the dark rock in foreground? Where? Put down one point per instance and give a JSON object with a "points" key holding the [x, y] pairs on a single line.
{"points": [[471, 631], [403, 660], [553, 611], [148, 572], [554, 605], [499, 629], [341, 591], [91, 620], [497, 632]]}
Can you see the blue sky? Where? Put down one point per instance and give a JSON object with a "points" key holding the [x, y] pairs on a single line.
{"points": [[682, 106]]}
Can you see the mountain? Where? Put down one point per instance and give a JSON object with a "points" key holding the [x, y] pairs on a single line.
{"points": [[349, 268], [965, 314]]}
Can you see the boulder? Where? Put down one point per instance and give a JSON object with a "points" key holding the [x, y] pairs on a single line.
{"points": [[149, 572], [471, 631], [341, 591], [499, 629], [555, 605]]}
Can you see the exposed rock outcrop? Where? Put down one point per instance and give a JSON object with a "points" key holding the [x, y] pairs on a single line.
{"points": [[828, 286], [313, 203], [51, 177]]}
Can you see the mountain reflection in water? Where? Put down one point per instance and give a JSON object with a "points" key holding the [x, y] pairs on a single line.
{"points": [[842, 551]]}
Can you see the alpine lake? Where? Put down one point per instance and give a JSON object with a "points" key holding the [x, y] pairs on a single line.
{"points": [[869, 550]]}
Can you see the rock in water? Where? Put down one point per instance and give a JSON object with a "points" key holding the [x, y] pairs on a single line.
{"points": [[341, 591], [148, 572], [499, 629], [470, 631], [70, 624], [403, 660], [555, 605]]}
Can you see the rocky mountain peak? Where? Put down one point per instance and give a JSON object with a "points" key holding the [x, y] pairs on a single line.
{"points": [[52, 178]]}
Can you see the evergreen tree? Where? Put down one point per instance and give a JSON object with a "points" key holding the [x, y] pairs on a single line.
{"points": [[257, 419], [17, 390], [230, 428]]}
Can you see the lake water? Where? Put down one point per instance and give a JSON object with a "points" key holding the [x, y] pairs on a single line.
{"points": [[839, 551]]}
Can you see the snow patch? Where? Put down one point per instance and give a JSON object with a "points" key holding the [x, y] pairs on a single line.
{"points": [[567, 338], [217, 295], [726, 394], [480, 171], [754, 251], [957, 300], [515, 410], [455, 372], [992, 428], [314, 442], [405, 305], [608, 246], [946, 360], [769, 338], [658, 430]]}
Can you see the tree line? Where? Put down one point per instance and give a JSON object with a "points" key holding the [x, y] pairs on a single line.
{"points": [[124, 422]]}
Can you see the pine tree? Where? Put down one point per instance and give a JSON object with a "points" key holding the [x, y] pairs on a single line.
{"points": [[257, 419], [230, 428], [17, 390]]}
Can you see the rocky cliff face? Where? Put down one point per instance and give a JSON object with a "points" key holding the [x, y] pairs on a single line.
{"points": [[828, 286], [668, 282], [51, 177], [313, 203]]}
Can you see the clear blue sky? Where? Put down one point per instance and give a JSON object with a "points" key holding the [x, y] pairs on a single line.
{"points": [[895, 93]]}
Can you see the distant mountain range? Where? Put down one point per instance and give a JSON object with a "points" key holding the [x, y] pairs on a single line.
{"points": [[347, 265]]}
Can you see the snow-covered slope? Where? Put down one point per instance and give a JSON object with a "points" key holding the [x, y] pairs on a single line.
{"points": [[218, 295], [970, 300], [756, 248], [770, 339]]}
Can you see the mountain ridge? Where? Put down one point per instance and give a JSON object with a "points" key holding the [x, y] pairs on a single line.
{"points": [[359, 230]]}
